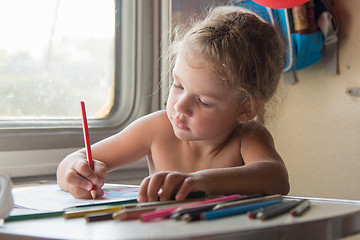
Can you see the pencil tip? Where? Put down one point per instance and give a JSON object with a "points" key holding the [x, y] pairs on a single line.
{"points": [[250, 215], [93, 194]]}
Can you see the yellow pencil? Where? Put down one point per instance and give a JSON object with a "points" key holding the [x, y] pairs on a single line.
{"points": [[83, 211]]}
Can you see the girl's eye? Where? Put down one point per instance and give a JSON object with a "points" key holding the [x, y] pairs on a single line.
{"points": [[204, 104], [178, 86]]}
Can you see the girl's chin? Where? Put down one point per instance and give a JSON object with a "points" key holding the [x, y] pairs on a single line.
{"points": [[182, 135]]}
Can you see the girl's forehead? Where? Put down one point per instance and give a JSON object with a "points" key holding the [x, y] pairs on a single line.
{"points": [[195, 60], [192, 70], [191, 61], [213, 83], [192, 58]]}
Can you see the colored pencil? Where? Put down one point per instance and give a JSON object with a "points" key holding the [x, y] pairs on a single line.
{"points": [[34, 215], [251, 196], [131, 214], [252, 214], [236, 210], [276, 210], [301, 208], [194, 213], [241, 202], [166, 212], [87, 144], [190, 217], [177, 214], [199, 194], [149, 204], [82, 212], [96, 217]]}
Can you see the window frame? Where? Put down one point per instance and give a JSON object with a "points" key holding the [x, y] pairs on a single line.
{"points": [[135, 94]]}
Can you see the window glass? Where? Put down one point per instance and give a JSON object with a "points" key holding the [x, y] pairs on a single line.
{"points": [[53, 54]]}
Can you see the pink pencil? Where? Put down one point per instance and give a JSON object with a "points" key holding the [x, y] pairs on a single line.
{"points": [[87, 144], [166, 212]]}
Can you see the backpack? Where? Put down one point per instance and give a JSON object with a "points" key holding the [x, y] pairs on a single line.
{"points": [[303, 48]]}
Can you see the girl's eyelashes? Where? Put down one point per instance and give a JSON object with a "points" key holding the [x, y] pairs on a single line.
{"points": [[204, 104], [177, 86]]}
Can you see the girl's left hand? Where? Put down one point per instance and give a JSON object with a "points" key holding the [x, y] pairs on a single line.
{"points": [[165, 184]]}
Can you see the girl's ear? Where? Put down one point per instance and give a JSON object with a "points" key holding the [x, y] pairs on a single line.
{"points": [[249, 109]]}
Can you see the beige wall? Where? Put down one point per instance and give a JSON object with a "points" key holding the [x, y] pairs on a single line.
{"points": [[317, 128]]}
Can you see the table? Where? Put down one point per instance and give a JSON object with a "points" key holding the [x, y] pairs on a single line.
{"points": [[327, 219]]}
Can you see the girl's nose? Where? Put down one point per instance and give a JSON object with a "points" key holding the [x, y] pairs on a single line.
{"points": [[183, 106]]}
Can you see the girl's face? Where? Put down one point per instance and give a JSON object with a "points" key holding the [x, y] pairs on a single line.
{"points": [[199, 107]]}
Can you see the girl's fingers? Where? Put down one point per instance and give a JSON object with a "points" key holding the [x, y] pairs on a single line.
{"points": [[74, 179], [99, 192], [187, 186], [171, 184], [84, 170], [101, 172], [193, 183], [151, 186], [78, 186], [79, 193], [154, 186], [142, 195]]}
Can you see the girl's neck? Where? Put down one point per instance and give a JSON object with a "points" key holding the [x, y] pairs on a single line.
{"points": [[210, 147]]}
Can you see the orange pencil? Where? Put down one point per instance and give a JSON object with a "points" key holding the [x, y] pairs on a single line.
{"points": [[87, 144]]}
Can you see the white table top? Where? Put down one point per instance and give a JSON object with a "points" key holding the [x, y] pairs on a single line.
{"points": [[327, 219]]}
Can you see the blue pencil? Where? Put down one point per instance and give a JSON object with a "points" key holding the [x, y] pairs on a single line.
{"points": [[236, 210]]}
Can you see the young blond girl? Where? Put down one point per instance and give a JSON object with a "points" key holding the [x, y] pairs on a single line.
{"points": [[227, 67]]}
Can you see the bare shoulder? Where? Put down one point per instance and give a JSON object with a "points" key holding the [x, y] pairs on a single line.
{"points": [[144, 131], [255, 131], [154, 120], [153, 124], [257, 144]]}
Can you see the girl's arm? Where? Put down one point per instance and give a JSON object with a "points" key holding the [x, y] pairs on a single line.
{"points": [[75, 175]]}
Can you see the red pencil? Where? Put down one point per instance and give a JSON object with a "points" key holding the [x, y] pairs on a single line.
{"points": [[87, 144]]}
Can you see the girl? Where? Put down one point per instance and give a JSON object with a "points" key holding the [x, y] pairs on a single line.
{"points": [[226, 68]]}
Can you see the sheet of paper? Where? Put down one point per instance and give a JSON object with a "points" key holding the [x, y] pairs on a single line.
{"points": [[50, 197]]}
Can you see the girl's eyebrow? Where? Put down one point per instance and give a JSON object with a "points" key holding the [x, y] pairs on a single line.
{"points": [[175, 75], [213, 95]]}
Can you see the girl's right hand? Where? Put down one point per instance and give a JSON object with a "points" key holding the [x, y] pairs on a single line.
{"points": [[75, 176]]}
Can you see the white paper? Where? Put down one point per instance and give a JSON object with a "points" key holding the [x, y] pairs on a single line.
{"points": [[50, 197]]}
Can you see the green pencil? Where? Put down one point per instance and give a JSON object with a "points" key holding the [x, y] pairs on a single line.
{"points": [[33, 215]]}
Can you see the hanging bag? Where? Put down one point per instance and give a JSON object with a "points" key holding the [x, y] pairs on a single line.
{"points": [[304, 46]]}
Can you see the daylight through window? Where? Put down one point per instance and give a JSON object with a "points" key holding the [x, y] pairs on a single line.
{"points": [[53, 54]]}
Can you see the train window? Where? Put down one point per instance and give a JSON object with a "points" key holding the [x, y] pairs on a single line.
{"points": [[56, 53], [53, 54]]}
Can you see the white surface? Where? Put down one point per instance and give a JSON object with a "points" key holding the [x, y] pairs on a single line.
{"points": [[327, 219], [50, 197], [6, 200]]}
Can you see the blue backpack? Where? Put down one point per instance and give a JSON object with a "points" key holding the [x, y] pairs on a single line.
{"points": [[303, 50]]}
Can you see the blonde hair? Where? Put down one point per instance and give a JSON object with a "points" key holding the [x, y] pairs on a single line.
{"points": [[241, 48]]}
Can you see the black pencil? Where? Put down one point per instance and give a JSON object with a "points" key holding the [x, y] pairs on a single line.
{"points": [[190, 217], [199, 194], [99, 217], [177, 215]]}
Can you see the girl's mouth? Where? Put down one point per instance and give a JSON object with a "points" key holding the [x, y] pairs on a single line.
{"points": [[178, 124]]}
